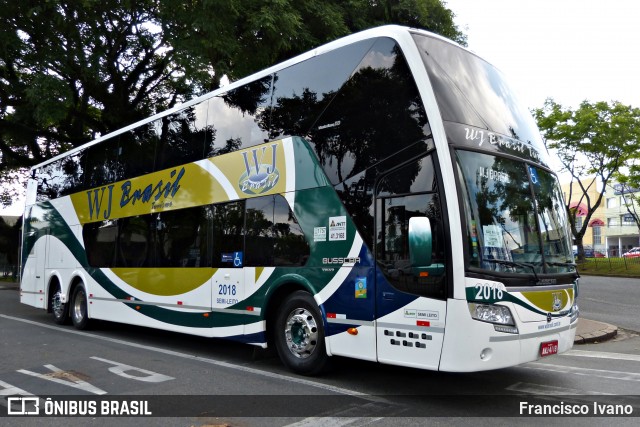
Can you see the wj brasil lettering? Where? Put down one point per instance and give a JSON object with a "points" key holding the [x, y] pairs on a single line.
{"points": [[259, 176], [100, 198], [481, 136]]}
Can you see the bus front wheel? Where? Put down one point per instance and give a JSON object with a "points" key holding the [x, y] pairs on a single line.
{"points": [[78, 308], [299, 334]]}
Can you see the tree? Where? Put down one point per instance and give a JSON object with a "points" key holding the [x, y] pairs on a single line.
{"points": [[238, 37], [71, 70], [606, 135]]}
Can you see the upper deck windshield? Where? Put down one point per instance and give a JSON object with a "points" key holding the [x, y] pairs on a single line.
{"points": [[514, 214]]}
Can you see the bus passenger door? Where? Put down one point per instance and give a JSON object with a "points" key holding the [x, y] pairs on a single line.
{"points": [[410, 281]]}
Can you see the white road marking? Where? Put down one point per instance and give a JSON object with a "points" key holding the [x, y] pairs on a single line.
{"points": [[603, 355], [228, 365], [600, 373], [548, 390]]}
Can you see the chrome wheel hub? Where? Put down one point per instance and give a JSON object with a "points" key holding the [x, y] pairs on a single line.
{"points": [[301, 333], [56, 305], [78, 306]]}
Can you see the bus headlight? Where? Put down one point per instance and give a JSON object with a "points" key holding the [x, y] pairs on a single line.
{"points": [[499, 315]]}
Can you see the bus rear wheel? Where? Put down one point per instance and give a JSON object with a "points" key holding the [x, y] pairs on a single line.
{"points": [[78, 308], [299, 335], [59, 309]]}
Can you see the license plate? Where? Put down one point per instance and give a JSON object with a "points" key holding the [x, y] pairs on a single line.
{"points": [[548, 348]]}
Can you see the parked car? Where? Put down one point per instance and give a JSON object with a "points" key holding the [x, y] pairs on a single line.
{"points": [[589, 253], [633, 253]]}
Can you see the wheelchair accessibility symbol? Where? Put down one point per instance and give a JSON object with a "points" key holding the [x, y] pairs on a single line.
{"points": [[534, 176], [237, 259], [234, 258]]}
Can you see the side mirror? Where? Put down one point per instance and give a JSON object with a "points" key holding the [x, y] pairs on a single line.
{"points": [[420, 241]]}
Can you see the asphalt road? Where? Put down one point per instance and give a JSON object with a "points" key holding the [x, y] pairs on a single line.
{"points": [[204, 382], [612, 300]]}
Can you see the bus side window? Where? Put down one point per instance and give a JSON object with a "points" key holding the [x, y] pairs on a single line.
{"points": [[239, 118], [135, 241], [181, 238], [181, 136], [228, 232], [301, 92], [100, 243], [101, 164], [407, 192]]}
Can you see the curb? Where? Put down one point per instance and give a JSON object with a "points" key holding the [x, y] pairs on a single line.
{"points": [[595, 332]]}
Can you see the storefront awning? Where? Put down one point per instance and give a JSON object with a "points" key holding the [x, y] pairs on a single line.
{"points": [[581, 208]]}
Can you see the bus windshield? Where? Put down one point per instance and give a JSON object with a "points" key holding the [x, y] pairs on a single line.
{"points": [[514, 215]]}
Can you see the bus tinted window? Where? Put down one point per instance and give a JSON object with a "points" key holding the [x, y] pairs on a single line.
{"points": [[137, 151], [228, 233], [373, 115], [239, 118], [290, 246], [273, 235], [181, 136], [471, 91], [408, 192], [50, 178], [181, 238], [73, 171], [135, 242], [102, 164], [302, 91], [100, 240]]}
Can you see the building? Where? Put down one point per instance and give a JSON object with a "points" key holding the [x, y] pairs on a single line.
{"points": [[622, 231], [612, 230]]}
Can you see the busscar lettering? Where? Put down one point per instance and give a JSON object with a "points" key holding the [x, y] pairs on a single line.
{"points": [[152, 192], [341, 260]]}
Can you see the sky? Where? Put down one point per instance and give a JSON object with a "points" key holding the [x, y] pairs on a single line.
{"points": [[569, 50]]}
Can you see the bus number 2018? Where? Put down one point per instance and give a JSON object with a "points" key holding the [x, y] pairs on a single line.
{"points": [[487, 292], [226, 289]]}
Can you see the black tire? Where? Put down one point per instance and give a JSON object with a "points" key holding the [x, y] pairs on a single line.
{"points": [[78, 308], [299, 335], [59, 309]]}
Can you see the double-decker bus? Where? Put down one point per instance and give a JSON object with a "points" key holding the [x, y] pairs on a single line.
{"points": [[383, 197]]}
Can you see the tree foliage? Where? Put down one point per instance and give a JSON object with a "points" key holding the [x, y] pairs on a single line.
{"points": [[72, 70], [238, 37], [597, 139]]}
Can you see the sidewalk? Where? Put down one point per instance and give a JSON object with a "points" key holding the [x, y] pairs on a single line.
{"points": [[589, 331]]}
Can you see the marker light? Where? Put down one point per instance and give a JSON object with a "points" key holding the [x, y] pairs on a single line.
{"points": [[352, 331]]}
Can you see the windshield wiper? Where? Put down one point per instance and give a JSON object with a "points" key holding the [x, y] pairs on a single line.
{"points": [[566, 264], [515, 264]]}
